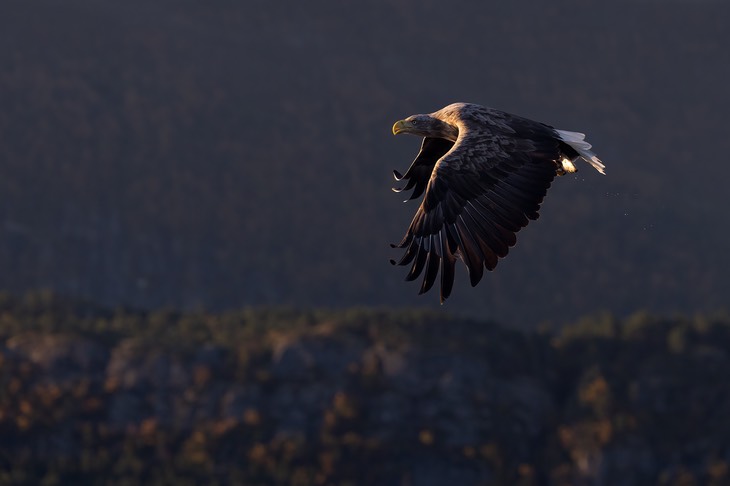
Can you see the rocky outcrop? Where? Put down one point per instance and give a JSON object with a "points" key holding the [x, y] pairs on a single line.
{"points": [[433, 401]]}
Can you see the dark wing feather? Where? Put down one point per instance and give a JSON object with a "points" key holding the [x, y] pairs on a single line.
{"points": [[479, 193], [417, 175]]}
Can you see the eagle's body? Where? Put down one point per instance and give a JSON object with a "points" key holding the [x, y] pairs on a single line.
{"points": [[485, 173]]}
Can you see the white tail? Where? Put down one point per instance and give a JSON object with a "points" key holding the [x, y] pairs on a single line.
{"points": [[577, 141]]}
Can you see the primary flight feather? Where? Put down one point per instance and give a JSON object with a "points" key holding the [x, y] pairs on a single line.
{"points": [[484, 173]]}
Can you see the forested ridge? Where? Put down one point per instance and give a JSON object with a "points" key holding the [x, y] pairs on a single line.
{"points": [[90, 395], [184, 154]]}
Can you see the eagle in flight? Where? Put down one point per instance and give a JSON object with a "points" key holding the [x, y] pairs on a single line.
{"points": [[485, 173]]}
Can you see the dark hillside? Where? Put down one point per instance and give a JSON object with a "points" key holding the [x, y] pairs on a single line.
{"points": [[89, 396], [236, 153]]}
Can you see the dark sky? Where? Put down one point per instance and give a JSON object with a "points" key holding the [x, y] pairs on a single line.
{"points": [[230, 153]]}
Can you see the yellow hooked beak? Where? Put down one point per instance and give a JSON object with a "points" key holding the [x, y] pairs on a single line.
{"points": [[401, 126]]}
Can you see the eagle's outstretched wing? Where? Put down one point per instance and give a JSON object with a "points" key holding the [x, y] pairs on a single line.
{"points": [[479, 193], [418, 174]]}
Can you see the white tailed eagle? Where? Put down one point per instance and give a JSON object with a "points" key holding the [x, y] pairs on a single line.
{"points": [[485, 173]]}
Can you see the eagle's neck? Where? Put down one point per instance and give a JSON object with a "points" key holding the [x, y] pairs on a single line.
{"points": [[442, 129]]}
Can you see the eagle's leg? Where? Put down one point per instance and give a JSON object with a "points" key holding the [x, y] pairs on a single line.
{"points": [[565, 166]]}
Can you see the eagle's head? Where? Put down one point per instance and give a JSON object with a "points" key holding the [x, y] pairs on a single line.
{"points": [[426, 126]]}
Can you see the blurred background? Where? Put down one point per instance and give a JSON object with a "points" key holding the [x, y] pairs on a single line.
{"points": [[204, 157], [227, 154]]}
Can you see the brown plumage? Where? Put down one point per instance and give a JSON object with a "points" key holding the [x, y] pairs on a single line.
{"points": [[484, 173]]}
